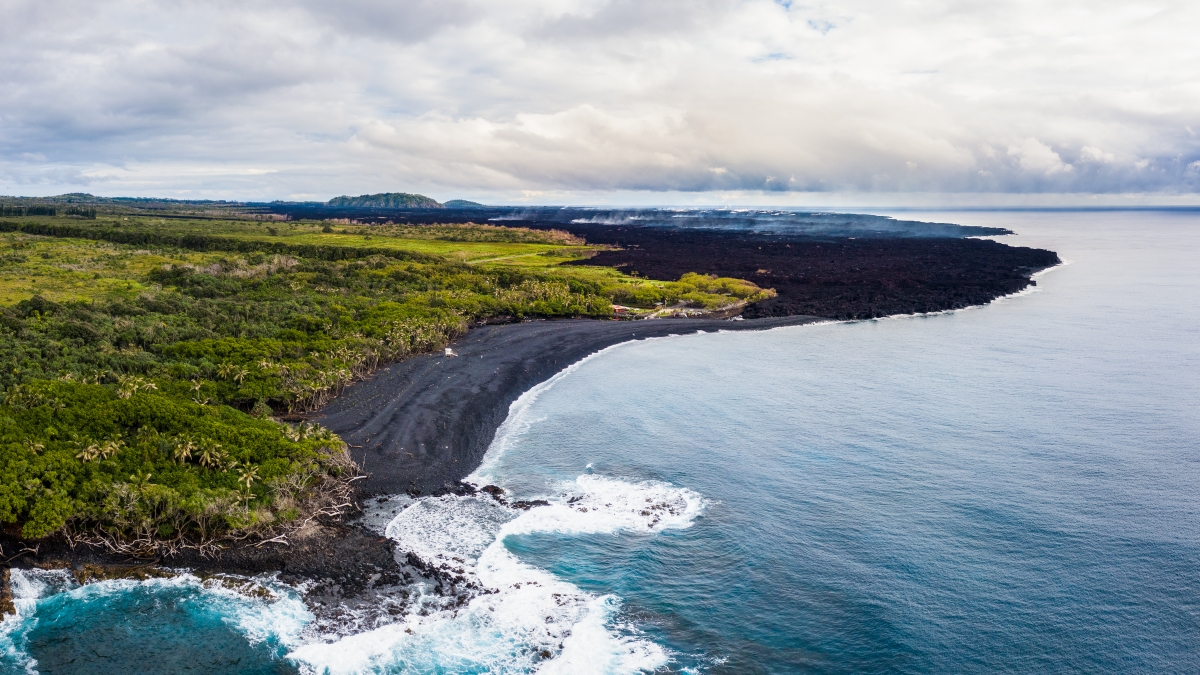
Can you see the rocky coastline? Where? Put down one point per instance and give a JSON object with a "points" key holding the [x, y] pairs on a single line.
{"points": [[418, 427]]}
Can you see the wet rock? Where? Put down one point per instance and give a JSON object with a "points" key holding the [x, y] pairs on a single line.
{"points": [[6, 602]]}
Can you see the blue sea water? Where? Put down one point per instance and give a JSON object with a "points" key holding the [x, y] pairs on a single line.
{"points": [[1010, 488]]}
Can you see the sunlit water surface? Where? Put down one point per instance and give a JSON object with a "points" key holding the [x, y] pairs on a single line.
{"points": [[1008, 488]]}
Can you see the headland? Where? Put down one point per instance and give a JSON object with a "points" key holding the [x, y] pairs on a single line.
{"points": [[416, 419]]}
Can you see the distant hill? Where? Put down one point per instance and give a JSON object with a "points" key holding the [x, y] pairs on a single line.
{"points": [[462, 204], [74, 197], [385, 200]]}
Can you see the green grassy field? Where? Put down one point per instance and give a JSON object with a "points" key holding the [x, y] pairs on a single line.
{"points": [[66, 270], [72, 268]]}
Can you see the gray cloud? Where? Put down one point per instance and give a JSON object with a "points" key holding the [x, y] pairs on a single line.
{"points": [[265, 99], [390, 20]]}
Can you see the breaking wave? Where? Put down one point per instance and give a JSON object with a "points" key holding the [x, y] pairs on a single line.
{"points": [[473, 606], [497, 614], [103, 625]]}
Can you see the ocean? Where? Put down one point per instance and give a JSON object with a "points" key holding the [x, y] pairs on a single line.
{"points": [[1007, 488]]}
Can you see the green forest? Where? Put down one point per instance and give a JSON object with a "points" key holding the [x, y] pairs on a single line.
{"points": [[149, 364]]}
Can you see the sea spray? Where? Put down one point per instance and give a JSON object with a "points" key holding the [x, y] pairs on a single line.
{"points": [[493, 613], [27, 587], [549, 625], [245, 624]]}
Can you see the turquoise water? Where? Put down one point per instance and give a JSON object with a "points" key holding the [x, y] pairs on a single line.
{"points": [[175, 625], [1010, 488], [1002, 489]]}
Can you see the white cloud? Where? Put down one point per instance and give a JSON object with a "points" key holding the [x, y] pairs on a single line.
{"points": [[265, 99], [1089, 154], [1037, 157]]}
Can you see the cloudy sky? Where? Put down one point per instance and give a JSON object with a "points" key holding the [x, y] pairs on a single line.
{"points": [[594, 101]]}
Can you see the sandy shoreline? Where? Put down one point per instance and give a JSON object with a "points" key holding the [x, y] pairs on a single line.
{"points": [[418, 426], [422, 425]]}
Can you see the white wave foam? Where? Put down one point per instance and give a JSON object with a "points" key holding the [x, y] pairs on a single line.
{"points": [[260, 608], [600, 505], [519, 420], [522, 619], [593, 648], [379, 512], [998, 300], [1028, 290], [27, 587], [451, 531]]}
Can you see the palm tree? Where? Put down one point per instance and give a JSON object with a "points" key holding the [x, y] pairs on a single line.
{"points": [[321, 432], [211, 455], [142, 480], [241, 375], [131, 384], [109, 448], [248, 476], [183, 450]]}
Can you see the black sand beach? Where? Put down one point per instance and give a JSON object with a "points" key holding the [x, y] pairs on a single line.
{"points": [[420, 426], [417, 426], [423, 424]]}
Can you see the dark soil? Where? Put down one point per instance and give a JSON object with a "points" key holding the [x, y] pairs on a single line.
{"points": [[835, 278]]}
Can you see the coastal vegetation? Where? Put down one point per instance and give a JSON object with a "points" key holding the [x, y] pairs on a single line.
{"points": [[154, 367]]}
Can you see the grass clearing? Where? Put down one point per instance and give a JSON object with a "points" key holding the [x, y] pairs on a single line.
{"points": [[65, 270]]}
